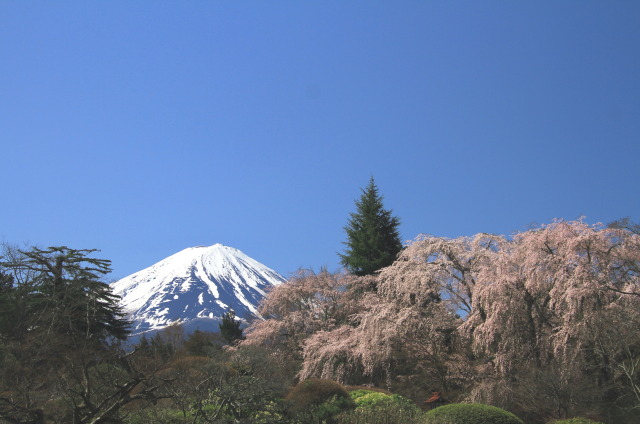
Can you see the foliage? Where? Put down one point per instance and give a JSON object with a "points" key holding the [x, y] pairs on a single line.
{"points": [[626, 224], [378, 400], [545, 298], [307, 303], [359, 392], [60, 331], [390, 336], [523, 323], [61, 290], [576, 421], [230, 328], [238, 385], [380, 408], [157, 415], [373, 241], [203, 343], [232, 385], [472, 413], [321, 398], [543, 324], [391, 414], [326, 412], [369, 400]]}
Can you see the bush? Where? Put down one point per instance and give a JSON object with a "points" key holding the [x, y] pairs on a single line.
{"points": [[327, 410], [391, 413], [371, 400], [577, 420], [358, 393], [355, 391], [380, 400], [471, 413], [318, 399], [155, 415], [374, 407]]}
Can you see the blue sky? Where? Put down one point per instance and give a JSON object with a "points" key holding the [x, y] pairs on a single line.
{"points": [[142, 128]]}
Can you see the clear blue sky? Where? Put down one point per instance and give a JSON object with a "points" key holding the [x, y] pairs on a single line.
{"points": [[144, 127]]}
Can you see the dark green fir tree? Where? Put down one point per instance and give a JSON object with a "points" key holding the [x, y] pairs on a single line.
{"points": [[373, 241], [230, 328]]}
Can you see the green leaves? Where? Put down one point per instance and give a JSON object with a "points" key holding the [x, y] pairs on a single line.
{"points": [[230, 327], [62, 290], [372, 232]]}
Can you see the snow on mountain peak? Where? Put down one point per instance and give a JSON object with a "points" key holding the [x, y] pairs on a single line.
{"points": [[201, 282]]}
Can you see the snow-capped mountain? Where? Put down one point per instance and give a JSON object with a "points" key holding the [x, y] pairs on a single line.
{"points": [[195, 285]]}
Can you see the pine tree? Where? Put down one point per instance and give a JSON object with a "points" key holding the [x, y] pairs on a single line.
{"points": [[372, 232], [64, 294], [230, 327]]}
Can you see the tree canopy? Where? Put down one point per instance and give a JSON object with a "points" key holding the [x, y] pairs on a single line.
{"points": [[230, 327], [373, 241], [543, 323], [58, 324], [62, 289]]}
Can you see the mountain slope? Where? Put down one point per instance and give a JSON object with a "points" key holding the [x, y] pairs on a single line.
{"points": [[196, 283]]}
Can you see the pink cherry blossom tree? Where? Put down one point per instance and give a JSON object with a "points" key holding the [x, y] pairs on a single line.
{"points": [[309, 302], [539, 301], [406, 326], [544, 322]]}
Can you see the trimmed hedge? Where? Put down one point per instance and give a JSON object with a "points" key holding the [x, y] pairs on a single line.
{"points": [[471, 413]]}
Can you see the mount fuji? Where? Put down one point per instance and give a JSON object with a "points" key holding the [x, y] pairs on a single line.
{"points": [[195, 286]]}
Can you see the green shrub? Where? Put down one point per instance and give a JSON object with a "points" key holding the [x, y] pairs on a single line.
{"points": [[156, 415], [366, 390], [327, 410], [378, 406], [318, 399], [380, 400], [470, 413], [577, 420], [370, 400], [388, 413], [355, 394]]}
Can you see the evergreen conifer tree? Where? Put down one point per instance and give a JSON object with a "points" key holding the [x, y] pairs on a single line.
{"points": [[373, 239], [62, 292], [230, 327]]}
